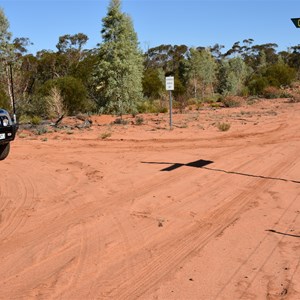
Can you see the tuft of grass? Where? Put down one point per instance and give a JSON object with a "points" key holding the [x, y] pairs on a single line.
{"points": [[295, 98], [105, 135], [139, 120], [35, 120], [41, 130], [69, 131], [252, 100], [120, 121], [216, 105], [184, 125], [231, 101], [22, 135], [25, 119], [223, 126]]}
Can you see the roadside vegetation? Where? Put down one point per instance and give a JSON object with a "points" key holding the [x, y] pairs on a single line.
{"points": [[118, 78]]}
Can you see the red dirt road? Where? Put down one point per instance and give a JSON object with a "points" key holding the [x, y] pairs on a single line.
{"points": [[141, 212]]}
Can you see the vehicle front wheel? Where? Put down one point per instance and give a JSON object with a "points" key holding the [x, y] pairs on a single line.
{"points": [[4, 150]]}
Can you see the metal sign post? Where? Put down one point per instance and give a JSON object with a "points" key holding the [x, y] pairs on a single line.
{"points": [[170, 108], [170, 88]]}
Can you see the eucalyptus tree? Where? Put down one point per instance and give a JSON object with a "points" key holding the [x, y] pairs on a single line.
{"points": [[232, 76], [119, 70], [5, 37], [12, 57], [216, 51], [71, 48], [6, 52], [292, 57], [202, 69], [153, 85]]}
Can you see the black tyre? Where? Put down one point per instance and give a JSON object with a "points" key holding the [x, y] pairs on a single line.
{"points": [[4, 150]]}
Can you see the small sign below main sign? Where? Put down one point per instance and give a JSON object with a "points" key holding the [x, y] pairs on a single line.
{"points": [[296, 22], [170, 83]]}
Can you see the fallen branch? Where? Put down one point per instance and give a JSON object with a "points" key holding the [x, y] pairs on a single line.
{"points": [[58, 121]]}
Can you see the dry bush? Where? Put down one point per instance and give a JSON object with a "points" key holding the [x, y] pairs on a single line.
{"points": [[55, 102], [139, 120], [223, 126], [232, 101], [105, 135], [295, 98], [271, 92], [295, 85]]}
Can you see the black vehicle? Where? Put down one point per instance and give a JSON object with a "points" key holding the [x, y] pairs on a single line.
{"points": [[8, 129]]}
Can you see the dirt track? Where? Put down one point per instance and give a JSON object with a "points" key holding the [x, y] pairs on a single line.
{"points": [[149, 213]]}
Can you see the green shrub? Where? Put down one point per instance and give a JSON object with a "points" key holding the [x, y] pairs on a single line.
{"points": [[37, 106], [4, 100], [152, 83], [245, 92], [280, 75], [163, 110], [216, 105], [208, 100], [73, 93], [151, 107], [257, 85], [276, 75], [212, 99], [25, 119], [192, 101]]}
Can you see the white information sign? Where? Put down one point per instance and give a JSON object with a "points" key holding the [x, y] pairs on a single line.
{"points": [[170, 83]]}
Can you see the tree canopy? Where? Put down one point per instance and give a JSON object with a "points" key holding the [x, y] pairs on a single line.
{"points": [[116, 77], [118, 73]]}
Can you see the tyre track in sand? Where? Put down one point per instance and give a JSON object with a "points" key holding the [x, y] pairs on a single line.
{"points": [[148, 270], [18, 201], [64, 272], [36, 248], [57, 226], [171, 253]]}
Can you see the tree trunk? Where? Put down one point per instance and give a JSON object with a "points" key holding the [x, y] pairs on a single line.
{"points": [[9, 85]]}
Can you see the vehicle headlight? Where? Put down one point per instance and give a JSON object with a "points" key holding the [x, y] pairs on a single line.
{"points": [[5, 122]]}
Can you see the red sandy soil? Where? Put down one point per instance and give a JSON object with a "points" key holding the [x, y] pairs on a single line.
{"points": [[138, 212]]}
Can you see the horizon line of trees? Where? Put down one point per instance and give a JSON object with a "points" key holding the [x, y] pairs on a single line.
{"points": [[117, 77]]}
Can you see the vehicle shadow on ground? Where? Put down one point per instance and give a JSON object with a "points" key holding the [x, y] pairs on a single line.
{"points": [[202, 164]]}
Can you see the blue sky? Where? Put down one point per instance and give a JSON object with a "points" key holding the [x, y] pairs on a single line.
{"points": [[189, 22]]}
